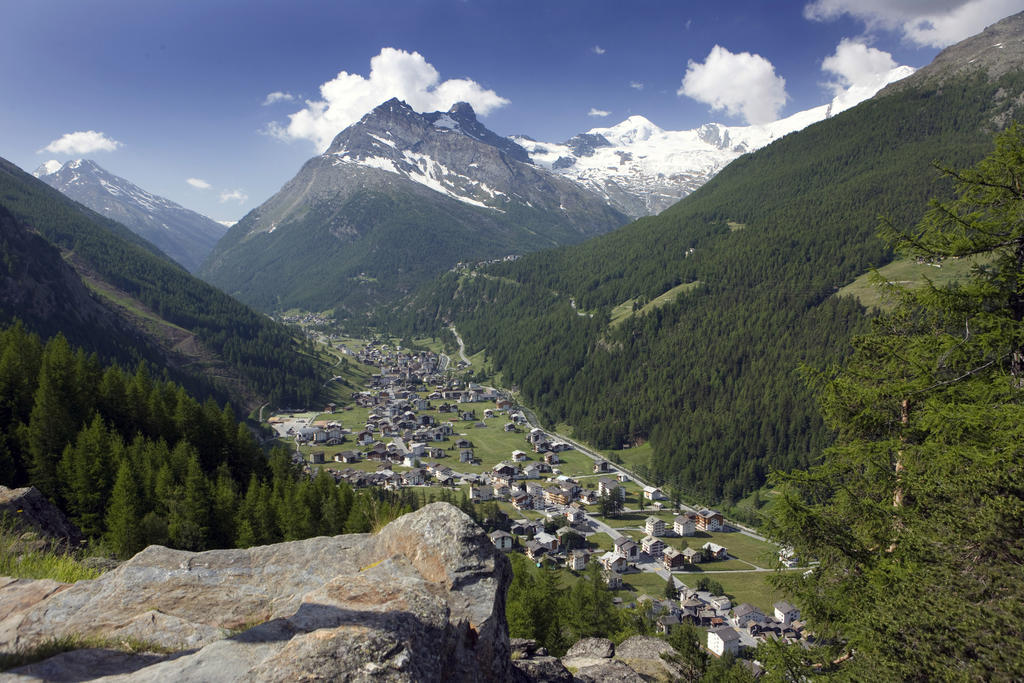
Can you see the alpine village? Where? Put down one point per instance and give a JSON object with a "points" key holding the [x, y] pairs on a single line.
{"points": [[451, 405]]}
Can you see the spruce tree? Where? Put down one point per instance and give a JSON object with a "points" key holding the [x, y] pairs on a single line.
{"points": [[189, 523]]}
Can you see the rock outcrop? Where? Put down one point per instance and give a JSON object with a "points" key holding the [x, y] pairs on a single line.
{"points": [[29, 512], [635, 659], [423, 599]]}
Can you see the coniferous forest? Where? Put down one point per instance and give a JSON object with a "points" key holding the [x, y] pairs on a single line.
{"points": [[253, 355], [712, 379], [135, 460]]}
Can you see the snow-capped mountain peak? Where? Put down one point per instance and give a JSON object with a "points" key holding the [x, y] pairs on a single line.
{"points": [[631, 131], [47, 168], [184, 235], [640, 168], [450, 152]]}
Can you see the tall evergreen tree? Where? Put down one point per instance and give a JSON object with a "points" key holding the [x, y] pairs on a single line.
{"points": [[123, 530], [54, 420], [915, 515], [189, 523], [86, 474]]}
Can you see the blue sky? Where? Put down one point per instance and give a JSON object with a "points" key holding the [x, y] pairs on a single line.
{"points": [[182, 90]]}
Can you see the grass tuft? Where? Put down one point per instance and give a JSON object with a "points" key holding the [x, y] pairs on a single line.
{"points": [[69, 643], [19, 561]]}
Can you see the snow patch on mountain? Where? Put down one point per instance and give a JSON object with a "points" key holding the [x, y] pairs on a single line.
{"points": [[48, 168]]}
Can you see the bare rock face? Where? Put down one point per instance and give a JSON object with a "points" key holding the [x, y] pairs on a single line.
{"points": [[424, 599], [536, 665], [30, 512], [589, 652], [593, 648], [610, 671], [643, 655]]}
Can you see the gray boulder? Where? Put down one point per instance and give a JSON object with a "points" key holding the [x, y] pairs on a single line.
{"points": [[424, 599], [643, 655], [588, 652]]}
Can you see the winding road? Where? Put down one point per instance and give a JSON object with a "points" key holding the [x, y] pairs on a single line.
{"points": [[462, 346]]}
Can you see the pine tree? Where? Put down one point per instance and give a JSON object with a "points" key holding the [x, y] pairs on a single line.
{"points": [[671, 592], [54, 419], [189, 523], [690, 658], [123, 516], [915, 514], [590, 603], [85, 473], [224, 506]]}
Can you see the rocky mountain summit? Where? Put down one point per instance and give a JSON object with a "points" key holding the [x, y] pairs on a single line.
{"points": [[398, 198], [996, 51], [184, 235], [450, 152]]}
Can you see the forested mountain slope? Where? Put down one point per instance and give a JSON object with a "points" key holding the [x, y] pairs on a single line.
{"points": [[123, 299], [711, 377]]}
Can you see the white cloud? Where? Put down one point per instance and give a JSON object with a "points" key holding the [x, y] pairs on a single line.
{"points": [[597, 112], [742, 84], [198, 183], [598, 50], [233, 196], [935, 23], [393, 73], [82, 142], [860, 72], [278, 96], [854, 63], [636, 85]]}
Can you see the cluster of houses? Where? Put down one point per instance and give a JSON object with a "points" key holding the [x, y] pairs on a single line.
{"points": [[730, 627], [625, 552], [400, 367], [746, 626]]}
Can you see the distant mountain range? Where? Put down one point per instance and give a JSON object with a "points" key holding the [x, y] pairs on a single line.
{"points": [[184, 235], [398, 198], [641, 169]]}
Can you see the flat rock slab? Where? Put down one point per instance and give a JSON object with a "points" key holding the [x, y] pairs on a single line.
{"points": [[424, 599]]}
